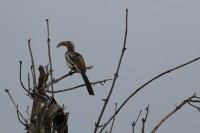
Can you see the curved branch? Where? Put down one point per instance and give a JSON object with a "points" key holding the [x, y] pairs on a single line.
{"points": [[171, 113], [20, 77], [195, 100], [78, 86], [16, 107], [20, 119], [148, 82]]}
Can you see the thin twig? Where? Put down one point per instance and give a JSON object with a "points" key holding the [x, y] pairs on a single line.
{"points": [[16, 107], [32, 74], [49, 53], [113, 118], [115, 76], [29, 85], [27, 111], [19, 118], [198, 108], [64, 76], [195, 101], [145, 119], [171, 113], [20, 77], [78, 86], [134, 123], [148, 82], [33, 66], [102, 125], [59, 79]]}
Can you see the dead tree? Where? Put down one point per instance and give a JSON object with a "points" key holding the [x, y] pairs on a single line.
{"points": [[47, 116]]}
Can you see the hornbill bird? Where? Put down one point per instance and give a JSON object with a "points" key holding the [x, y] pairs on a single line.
{"points": [[76, 62]]}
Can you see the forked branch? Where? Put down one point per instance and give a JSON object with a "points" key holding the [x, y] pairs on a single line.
{"points": [[115, 77], [145, 119], [172, 112], [134, 122], [148, 82], [25, 123]]}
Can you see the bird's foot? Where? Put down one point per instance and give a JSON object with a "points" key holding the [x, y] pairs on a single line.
{"points": [[71, 72]]}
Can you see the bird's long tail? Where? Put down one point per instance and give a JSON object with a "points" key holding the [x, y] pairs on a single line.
{"points": [[88, 85]]}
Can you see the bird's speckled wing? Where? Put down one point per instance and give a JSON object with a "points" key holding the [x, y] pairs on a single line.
{"points": [[79, 63]]}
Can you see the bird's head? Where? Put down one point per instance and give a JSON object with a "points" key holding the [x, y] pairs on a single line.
{"points": [[68, 44]]}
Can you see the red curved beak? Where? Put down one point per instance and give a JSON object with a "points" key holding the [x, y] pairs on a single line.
{"points": [[60, 44], [63, 43]]}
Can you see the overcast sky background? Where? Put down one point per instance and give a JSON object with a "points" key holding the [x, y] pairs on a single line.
{"points": [[161, 34]]}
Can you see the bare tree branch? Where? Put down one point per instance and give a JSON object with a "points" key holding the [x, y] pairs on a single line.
{"points": [[19, 118], [134, 123], [18, 112], [171, 113], [64, 76], [49, 53], [195, 100], [29, 85], [113, 118], [115, 77], [27, 111], [148, 82], [145, 119], [20, 77], [33, 66], [198, 108], [78, 86]]}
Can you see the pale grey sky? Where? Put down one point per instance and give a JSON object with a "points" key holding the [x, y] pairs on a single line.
{"points": [[161, 35]]}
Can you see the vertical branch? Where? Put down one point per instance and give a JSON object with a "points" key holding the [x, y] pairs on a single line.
{"points": [[36, 105], [29, 86], [133, 127], [33, 66], [49, 53], [145, 119], [115, 76]]}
